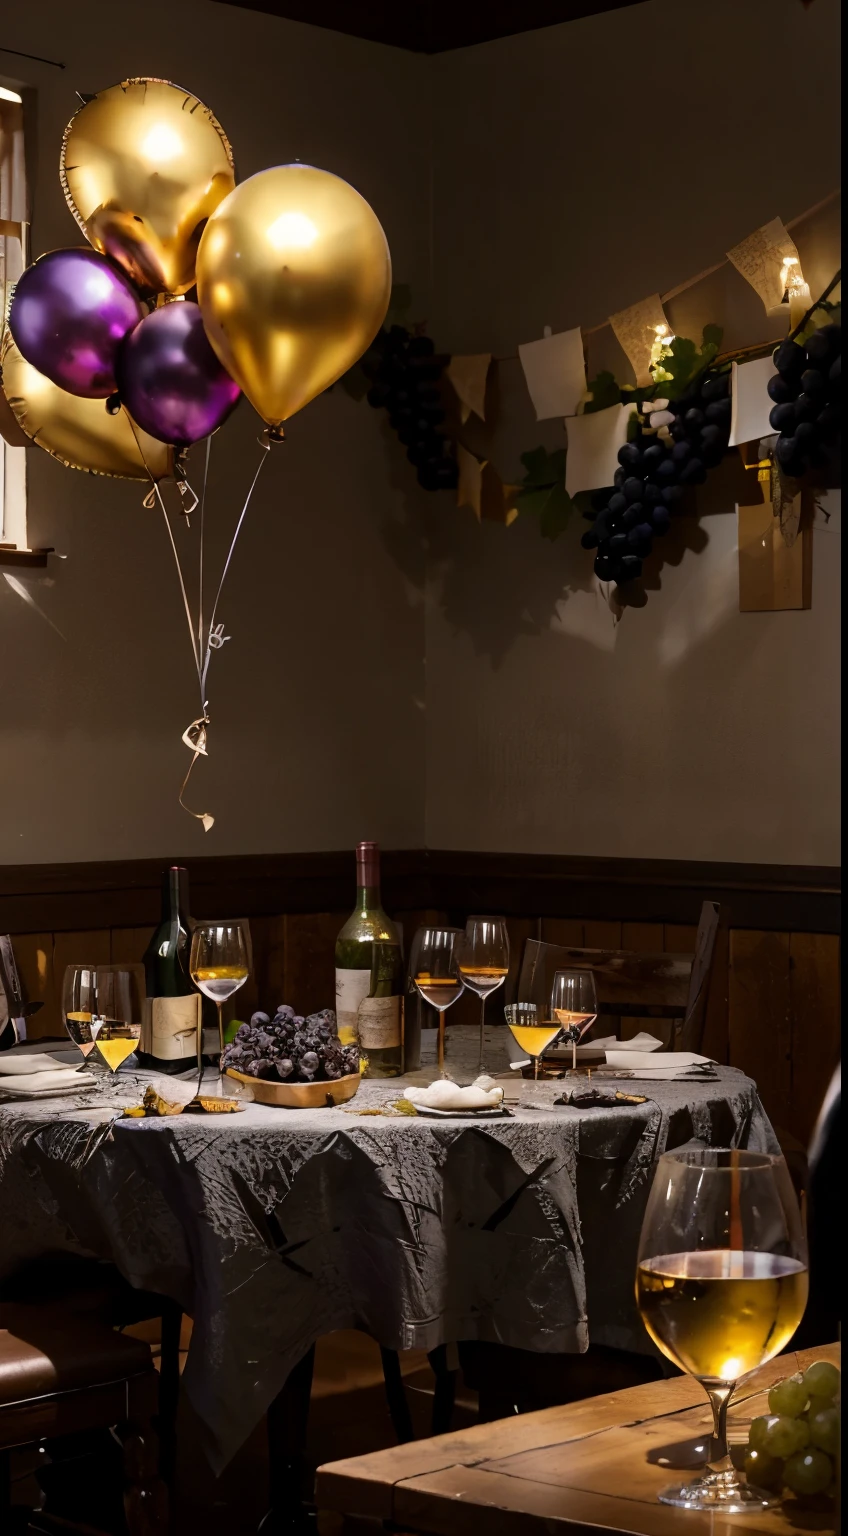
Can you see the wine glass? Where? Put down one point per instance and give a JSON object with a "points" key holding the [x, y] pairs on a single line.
{"points": [[101, 1008], [433, 969], [721, 1284], [574, 1004], [482, 952], [529, 1033], [218, 967]]}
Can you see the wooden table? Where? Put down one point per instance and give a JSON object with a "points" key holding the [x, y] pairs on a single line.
{"points": [[594, 1464]]}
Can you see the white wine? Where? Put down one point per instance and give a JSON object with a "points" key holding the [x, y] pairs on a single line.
{"points": [[219, 981], [571, 1020], [534, 1038], [483, 979], [441, 991], [369, 974], [116, 1049], [719, 1313]]}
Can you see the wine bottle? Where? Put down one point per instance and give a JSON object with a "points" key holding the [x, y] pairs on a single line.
{"points": [[369, 974], [172, 1009]]}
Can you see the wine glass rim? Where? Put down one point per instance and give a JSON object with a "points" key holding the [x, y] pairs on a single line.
{"points": [[437, 928], [739, 1159]]}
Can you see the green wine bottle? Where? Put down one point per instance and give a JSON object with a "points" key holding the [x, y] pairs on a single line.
{"points": [[369, 974], [173, 1006]]}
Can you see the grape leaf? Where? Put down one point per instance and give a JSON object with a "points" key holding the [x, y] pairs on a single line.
{"points": [[604, 391], [685, 361], [543, 492]]}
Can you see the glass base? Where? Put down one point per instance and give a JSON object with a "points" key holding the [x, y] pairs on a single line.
{"points": [[720, 1492]]}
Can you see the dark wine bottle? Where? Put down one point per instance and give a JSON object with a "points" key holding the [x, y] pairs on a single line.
{"points": [[172, 1011]]}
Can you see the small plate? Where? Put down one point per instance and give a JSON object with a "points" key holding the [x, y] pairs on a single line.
{"points": [[463, 1114]]}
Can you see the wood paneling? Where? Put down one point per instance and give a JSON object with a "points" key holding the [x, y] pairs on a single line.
{"points": [[645, 938], [50, 898], [759, 1020], [814, 1004]]}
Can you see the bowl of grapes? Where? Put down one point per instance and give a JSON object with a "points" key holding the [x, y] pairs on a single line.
{"points": [[292, 1061]]}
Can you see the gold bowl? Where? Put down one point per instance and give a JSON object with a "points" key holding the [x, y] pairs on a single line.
{"points": [[300, 1095]]}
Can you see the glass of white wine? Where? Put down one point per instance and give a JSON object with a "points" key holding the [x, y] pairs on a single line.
{"points": [[574, 1004], [218, 967], [434, 970], [101, 1007], [721, 1284], [529, 1032], [482, 953]]}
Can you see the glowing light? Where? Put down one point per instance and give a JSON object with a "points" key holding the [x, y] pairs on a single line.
{"points": [[292, 230], [161, 144], [731, 1369], [7, 95]]}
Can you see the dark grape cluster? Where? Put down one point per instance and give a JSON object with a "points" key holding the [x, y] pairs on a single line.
{"points": [[676, 444], [806, 393], [404, 374], [291, 1048]]}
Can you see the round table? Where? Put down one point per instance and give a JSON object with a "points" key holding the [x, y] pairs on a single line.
{"points": [[273, 1227]]}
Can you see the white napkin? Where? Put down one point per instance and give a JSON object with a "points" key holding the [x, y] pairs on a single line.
{"points": [[642, 1043], [645, 1064], [443, 1094], [28, 1065], [63, 1080]]}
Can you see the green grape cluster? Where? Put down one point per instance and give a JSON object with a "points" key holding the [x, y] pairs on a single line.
{"points": [[795, 1445]]}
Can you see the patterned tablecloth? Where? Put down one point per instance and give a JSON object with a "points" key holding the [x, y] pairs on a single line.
{"points": [[273, 1227]]}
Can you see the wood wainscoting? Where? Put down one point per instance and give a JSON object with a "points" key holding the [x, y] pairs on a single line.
{"points": [[774, 999]]}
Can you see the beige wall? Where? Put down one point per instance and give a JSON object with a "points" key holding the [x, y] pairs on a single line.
{"points": [[318, 730], [686, 729]]}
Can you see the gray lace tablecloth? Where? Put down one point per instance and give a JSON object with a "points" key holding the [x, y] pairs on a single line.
{"points": [[273, 1227]]}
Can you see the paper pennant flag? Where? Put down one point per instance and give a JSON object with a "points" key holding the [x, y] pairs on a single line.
{"points": [[762, 261], [470, 487], [468, 376], [593, 444], [749, 419], [482, 489], [555, 373], [636, 330]]}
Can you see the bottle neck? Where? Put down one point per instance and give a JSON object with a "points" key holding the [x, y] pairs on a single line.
{"points": [[175, 894], [367, 876], [368, 898]]}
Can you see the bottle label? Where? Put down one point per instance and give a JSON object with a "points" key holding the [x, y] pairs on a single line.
{"points": [[169, 1026], [379, 1023], [351, 988]]}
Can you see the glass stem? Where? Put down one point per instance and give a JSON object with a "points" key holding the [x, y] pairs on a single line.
{"points": [[719, 1397], [221, 1043], [482, 1028], [535, 1069], [440, 1036]]}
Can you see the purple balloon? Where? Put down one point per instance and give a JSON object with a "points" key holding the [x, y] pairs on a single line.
{"points": [[70, 313], [170, 379]]}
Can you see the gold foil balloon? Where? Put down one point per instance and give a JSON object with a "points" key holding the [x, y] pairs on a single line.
{"points": [[293, 279], [143, 166], [78, 432]]}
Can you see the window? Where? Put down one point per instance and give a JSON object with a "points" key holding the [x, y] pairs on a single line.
{"points": [[13, 232]]}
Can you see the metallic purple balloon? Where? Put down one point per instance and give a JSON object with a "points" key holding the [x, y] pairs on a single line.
{"points": [[70, 313], [170, 379]]}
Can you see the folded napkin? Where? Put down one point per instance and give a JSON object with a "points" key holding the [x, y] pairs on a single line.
{"points": [[643, 1043], [64, 1079], [443, 1094], [30, 1064], [669, 1065]]}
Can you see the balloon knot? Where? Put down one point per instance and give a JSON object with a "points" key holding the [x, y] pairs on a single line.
{"points": [[276, 434], [113, 404]]}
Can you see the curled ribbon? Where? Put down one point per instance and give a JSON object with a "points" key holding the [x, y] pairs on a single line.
{"points": [[194, 736]]}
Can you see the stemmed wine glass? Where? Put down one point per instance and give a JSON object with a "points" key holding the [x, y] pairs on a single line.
{"points": [[434, 970], [482, 952], [721, 1284], [101, 1008], [574, 1004], [218, 967], [529, 1033]]}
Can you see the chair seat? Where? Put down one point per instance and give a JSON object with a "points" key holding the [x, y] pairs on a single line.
{"points": [[44, 1352]]}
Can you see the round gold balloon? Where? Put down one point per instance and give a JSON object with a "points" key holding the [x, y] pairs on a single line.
{"points": [[78, 432], [293, 279], [143, 166]]}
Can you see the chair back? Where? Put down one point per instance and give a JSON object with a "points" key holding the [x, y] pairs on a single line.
{"points": [[631, 983]]}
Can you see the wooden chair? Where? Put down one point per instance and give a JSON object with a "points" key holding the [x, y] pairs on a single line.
{"points": [[96, 1291], [60, 1376], [630, 984]]}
